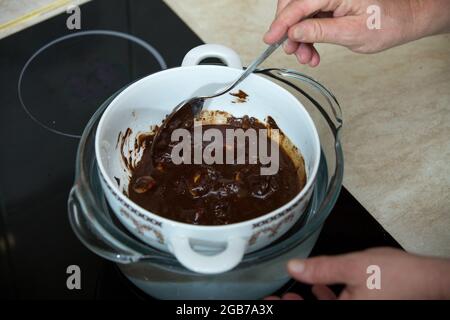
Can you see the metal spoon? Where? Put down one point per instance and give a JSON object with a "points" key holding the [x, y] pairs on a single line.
{"points": [[195, 104]]}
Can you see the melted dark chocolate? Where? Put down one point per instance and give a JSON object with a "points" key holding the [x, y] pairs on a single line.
{"points": [[241, 96], [216, 194]]}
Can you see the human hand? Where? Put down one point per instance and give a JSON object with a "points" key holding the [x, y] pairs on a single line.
{"points": [[344, 22], [403, 276]]}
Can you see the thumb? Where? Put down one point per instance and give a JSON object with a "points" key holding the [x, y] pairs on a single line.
{"points": [[341, 269], [323, 30]]}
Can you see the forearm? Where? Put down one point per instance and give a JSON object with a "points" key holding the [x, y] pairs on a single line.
{"points": [[431, 17]]}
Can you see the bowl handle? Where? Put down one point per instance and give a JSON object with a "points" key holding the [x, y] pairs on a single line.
{"points": [[227, 55], [208, 264]]}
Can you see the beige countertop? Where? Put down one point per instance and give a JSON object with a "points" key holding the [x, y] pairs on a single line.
{"points": [[16, 15], [396, 107]]}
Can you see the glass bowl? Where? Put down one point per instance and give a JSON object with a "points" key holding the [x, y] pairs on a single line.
{"points": [[260, 273]]}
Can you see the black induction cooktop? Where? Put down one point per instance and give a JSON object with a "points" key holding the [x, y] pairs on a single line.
{"points": [[52, 80]]}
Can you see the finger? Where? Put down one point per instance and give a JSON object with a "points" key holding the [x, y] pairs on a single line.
{"points": [[341, 269], [272, 298], [315, 60], [291, 296], [281, 5], [294, 12], [323, 292], [304, 53], [329, 30], [307, 54], [290, 46]]}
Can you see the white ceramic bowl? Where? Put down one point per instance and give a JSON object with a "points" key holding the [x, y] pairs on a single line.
{"points": [[204, 249]]}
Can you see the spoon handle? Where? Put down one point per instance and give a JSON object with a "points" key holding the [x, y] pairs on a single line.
{"points": [[252, 67]]}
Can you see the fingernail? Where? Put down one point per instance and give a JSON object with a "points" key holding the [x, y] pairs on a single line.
{"points": [[298, 34], [296, 266]]}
